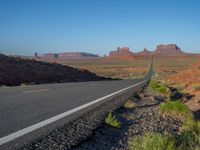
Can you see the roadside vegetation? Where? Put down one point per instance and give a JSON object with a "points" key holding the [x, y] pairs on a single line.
{"points": [[129, 104], [180, 86], [176, 109], [152, 141], [196, 87], [158, 87], [187, 139], [112, 121]]}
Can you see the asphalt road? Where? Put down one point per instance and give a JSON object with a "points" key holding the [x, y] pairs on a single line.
{"points": [[24, 106]]}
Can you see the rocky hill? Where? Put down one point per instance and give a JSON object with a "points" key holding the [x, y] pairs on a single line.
{"points": [[17, 71]]}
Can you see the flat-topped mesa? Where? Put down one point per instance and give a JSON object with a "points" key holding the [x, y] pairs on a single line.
{"points": [[168, 50], [123, 49], [121, 52], [69, 55]]}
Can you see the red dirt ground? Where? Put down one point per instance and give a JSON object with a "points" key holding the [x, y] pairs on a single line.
{"points": [[189, 80]]}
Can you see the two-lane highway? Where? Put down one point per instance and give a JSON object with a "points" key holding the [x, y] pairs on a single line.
{"points": [[25, 109], [22, 107]]}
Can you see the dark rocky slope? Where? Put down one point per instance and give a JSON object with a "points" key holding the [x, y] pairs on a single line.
{"points": [[17, 71]]}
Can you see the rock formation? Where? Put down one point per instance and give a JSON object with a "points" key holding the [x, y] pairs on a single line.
{"points": [[161, 50], [121, 52], [169, 50], [145, 52], [70, 55]]}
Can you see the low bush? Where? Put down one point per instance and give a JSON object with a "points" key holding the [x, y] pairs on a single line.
{"points": [[176, 109], [162, 90], [158, 87], [189, 139], [151, 141], [112, 121], [191, 125], [129, 104]]}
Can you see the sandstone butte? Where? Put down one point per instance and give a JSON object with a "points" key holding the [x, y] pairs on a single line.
{"points": [[161, 50], [120, 53]]}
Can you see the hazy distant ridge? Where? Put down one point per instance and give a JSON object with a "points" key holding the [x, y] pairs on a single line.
{"points": [[161, 50]]}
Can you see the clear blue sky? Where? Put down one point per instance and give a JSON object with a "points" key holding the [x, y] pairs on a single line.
{"points": [[97, 26]]}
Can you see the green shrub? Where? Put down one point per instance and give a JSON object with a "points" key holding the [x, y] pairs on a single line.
{"points": [[162, 90], [186, 140], [158, 87], [152, 141], [191, 125], [189, 139], [176, 109], [153, 84], [112, 121]]}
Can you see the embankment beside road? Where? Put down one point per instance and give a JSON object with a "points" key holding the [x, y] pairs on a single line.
{"points": [[155, 121], [16, 71]]}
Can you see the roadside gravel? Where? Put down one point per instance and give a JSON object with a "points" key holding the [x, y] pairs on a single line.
{"points": [[96, 135], [69, 134], [145, 117]]}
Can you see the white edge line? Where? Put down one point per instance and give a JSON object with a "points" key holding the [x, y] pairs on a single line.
{"points": [[41, 124]]}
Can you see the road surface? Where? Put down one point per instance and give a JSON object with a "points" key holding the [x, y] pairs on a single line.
{"points": [[26, 108]]}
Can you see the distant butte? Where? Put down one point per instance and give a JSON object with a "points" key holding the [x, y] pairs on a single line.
{"points": [[161, 50], [145, 52], [69, 55], [169, 50], [121, 52]]}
